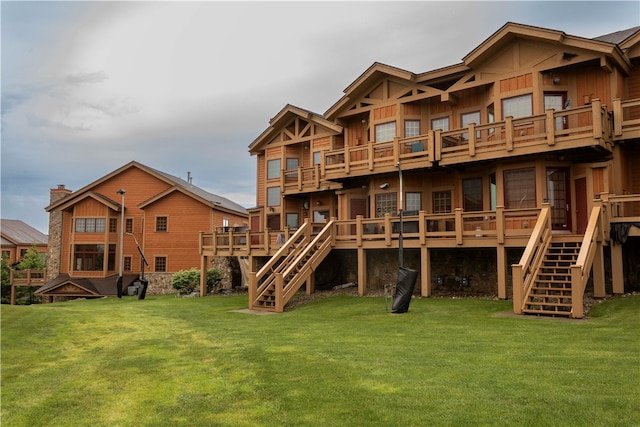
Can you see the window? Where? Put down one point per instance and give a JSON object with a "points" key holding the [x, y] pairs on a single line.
{"points": [[225, 222], [90, 225], [273, 196], [441, 123], [441, 202], [320, 216], [127, 263], [466, 119], [113, 225], [411, 128], [520, 188], [385, 132], [273, 169], [518, 106], [292, 165], [161, 224], [413, 202], [23, 252], [472, 194], [292, 220], [386, 203], [91, 257], [317, 157], [493, 188], [161, 263], [128, 228], [273, 222], [491, 116]]}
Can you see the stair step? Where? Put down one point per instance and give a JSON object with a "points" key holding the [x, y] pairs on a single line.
{"points": [[547, 312]]}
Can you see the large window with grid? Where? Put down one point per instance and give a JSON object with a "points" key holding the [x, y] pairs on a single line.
{"points": [[273, 169], [441, 123], [520, 188], [413, 202], [128, 228], [386, 203], [442, 202], [411, 128], [113, 225], [90, 225], [385, 132], [472, 194]]}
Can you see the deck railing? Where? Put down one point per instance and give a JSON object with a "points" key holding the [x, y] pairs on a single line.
{"points": [[590, 248], [453, 228], [584, 126], [524, 272], [626, 119], [25, 278]]}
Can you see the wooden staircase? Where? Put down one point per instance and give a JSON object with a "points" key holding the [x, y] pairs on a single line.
{"points": [[292, 266], [551, 293]]}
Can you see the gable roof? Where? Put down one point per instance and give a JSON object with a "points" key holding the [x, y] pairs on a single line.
{"points": [[284, 116], [64, 285], [16, 232], [173, 181]]}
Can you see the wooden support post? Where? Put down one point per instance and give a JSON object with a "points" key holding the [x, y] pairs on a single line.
{"points": [[551, 127], [252, 285], [279, 293], [13, 294], [459, 225], [517, 275], [508, 132], [362, 271], [311, 283], [425, 272], [437, 143], [472, 139], [596, 109], [577, 297], [203, 275], [500, 224], [501, 265], [617, 273], [598, 272], [617, 117]]}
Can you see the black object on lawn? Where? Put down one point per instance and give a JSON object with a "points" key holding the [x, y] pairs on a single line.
{"points": [[142, 290], [404, 290]]}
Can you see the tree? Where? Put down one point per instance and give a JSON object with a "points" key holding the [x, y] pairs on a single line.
{"points": [[32, 260], [6, 278], [187, 281]]}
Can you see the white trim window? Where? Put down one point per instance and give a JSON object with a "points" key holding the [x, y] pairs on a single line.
{"points": [[385, 132], [441, 123], [517, 106], [273, 169]]}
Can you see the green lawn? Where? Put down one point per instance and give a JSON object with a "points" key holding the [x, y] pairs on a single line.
{"points": [[339, 361]]}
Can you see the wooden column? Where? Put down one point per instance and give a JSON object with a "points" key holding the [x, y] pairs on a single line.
{"points": [[501, 266], [598, 272], [425, 272], [203, 275], [617, 273], [362, 271]]}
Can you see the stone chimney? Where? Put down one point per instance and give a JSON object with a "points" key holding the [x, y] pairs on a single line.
{"points": [[55, 232]]}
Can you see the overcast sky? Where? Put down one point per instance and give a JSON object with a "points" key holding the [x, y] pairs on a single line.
{"points": [[90, 86]]}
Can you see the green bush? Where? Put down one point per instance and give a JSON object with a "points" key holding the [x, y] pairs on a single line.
{"points": [[187, 281]]}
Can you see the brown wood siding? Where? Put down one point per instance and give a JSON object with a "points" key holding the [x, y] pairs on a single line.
{"points": [[598, 180], [594, 83], [413, 109], [261, 178], [385, 112], [321, 143], [186, 217], [516, 83]]}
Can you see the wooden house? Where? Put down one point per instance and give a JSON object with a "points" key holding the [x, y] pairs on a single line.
{"points": [[523, 153], [147, 211], [17, 238]]}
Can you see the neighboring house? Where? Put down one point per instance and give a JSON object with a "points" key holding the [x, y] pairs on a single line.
{"points": [[163, 213], [17, 238], [511, 169]]}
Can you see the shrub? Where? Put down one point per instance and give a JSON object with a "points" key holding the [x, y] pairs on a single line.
{"points": [[187, 281]]}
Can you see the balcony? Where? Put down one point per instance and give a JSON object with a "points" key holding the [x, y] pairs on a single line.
{"points": [[469, 229], [587, 126], [626, 119]]}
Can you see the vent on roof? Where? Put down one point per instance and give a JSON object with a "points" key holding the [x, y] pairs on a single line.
{"points": [[567, 56]]}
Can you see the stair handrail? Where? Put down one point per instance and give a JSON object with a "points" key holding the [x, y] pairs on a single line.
{"points": [[284, 252], [580, 271], [525, 271], [325, 238]]}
